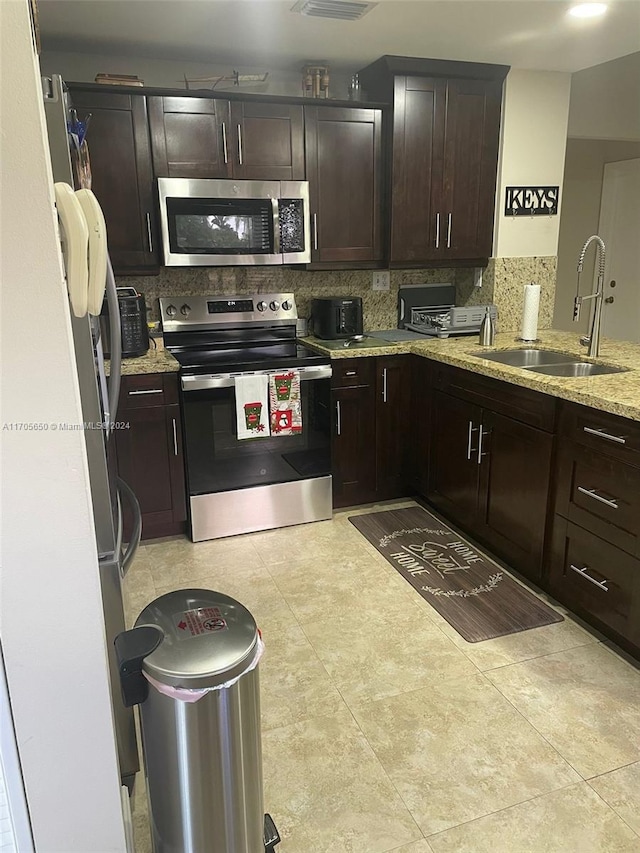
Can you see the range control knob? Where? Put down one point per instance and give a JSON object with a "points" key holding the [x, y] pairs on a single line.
{"points": [[262, 306], [274, 305], [185, 310], [286, 305], [172, 310]]}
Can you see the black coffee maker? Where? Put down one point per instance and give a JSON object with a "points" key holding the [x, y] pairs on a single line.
{"points": [[133, 323]]}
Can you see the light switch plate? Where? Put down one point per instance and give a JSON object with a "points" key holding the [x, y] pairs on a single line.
{"points": [[381, 280]]}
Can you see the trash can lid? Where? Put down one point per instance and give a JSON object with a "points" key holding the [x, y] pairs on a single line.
{"points": [[209, 638]]}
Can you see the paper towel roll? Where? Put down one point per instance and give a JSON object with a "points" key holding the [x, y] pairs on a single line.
{"points": [[529, 329]]}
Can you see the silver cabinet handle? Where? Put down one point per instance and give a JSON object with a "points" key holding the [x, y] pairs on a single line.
{"points": [[175, 437], [437, 230], [583, 573], [240, 144], [592, 493], [149, 237], [351, 373], [338, 419], [472, 429], [481, 435], [384, 384], [449, 231], [315, 231], [150, 391], [225, 153], [619, 439]]}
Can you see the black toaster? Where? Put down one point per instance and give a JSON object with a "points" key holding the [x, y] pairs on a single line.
{"points": [[336, 317]]}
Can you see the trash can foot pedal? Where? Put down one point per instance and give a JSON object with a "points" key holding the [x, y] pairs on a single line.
{"points": [[271, 835]]}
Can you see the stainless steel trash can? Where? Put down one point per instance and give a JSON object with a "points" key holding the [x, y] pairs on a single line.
{"points": [[200, 725]]}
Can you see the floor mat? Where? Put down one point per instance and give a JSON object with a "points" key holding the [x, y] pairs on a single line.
{"points": [[471, 592]]}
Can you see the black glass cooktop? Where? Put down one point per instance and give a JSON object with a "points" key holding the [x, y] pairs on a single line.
{"points": [[246, 358]]}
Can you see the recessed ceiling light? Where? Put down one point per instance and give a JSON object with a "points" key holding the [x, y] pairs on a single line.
{"points": [[588, 10]]}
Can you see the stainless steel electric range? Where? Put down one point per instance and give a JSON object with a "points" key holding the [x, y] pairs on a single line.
{"points": [[238, 483]]}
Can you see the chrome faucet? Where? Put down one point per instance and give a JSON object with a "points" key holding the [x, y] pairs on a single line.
{"points": [[592, 340]]}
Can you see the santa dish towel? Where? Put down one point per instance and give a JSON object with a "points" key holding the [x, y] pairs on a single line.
{"points": [[252, 415], [284, 403]]}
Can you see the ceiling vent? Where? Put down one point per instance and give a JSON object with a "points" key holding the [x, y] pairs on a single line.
{"points": [[339, 10]]}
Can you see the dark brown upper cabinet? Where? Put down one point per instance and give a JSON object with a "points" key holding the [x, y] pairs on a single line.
{"points": [[344, 168], [212, 138], [122, 176], [444, 139]]}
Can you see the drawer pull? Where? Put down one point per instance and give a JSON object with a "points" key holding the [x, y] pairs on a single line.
{"points": [[619, 439], [583, 572], [591, 493], [150, 391], [350, 372]]}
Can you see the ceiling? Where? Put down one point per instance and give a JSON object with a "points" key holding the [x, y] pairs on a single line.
{"points": [[533, 34]]}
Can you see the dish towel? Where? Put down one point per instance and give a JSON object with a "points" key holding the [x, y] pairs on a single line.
{"points": [[251, 406], [284, 403]]}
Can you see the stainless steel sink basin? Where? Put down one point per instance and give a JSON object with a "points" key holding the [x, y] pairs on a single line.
{"points": [[528, 357], [577, 368]]}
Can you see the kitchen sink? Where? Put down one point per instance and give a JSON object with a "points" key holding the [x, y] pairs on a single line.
{"points": [[528, 357], [577, 368]]}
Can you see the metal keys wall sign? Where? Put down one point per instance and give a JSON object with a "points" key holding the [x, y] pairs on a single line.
{"points": [[531, 201]]}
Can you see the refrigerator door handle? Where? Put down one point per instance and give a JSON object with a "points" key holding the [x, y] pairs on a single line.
{"points": [[115, 333], [136, 533]]}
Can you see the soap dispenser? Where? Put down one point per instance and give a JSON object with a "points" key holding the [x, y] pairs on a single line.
{"points": [[487, 329]]}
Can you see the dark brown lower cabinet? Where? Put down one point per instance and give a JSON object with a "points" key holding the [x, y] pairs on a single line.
{"points": [[596, 580], [149, 452], [491, 474], [353, 446], [419, 425], [393, 420]]}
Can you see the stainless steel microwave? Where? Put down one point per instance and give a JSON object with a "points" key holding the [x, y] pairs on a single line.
{"points": [[222, 223]]}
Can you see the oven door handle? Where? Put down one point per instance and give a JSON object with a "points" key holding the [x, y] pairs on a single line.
{"points": [[228, 380]]}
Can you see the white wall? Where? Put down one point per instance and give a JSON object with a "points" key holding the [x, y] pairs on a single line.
{"points": [[583, 174], [605, 100], [534, 132], [51, 610], [168, 73]]}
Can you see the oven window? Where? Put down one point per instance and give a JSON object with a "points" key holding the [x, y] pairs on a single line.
{"points": [[220, 226], [218, 462]]}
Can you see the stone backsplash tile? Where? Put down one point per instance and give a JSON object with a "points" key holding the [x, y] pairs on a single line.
{"points": [[379, 307], [503, 282]]}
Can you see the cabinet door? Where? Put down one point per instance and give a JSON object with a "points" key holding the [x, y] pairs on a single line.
{"points": [[470, 167], [268, 141], [190, 137], [122, 176], [353, 446], [393, 422], [454, 470], [419, 424], [150, 460], [515, 474], [418, 150], [344, 161]]}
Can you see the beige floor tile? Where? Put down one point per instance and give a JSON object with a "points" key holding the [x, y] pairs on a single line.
{"points": [[525, 645], [371, 653], [327, 791], [621, 789], [584, 701], [415, 847], [573, 820], [458, 750], [182, 560], [294, 685]]}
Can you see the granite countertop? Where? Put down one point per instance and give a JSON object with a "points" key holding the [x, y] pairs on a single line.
{"points": [[155, 360], [618, 393]]}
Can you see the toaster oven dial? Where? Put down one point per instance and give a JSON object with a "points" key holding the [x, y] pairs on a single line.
{"points": [[172, 310], [185, 310], [262, 306], [274, 305]]}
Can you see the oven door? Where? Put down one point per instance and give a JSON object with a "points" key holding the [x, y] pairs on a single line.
{"points": [[219, 464]]}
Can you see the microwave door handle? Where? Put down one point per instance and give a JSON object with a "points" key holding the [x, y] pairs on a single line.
{"points": [[275, 212], [115, 337]]}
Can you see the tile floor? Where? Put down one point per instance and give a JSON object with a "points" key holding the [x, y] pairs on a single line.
{"points": [[383, 730]]}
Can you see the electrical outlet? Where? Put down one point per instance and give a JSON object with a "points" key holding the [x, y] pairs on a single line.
{"points": [[381, 280]]}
